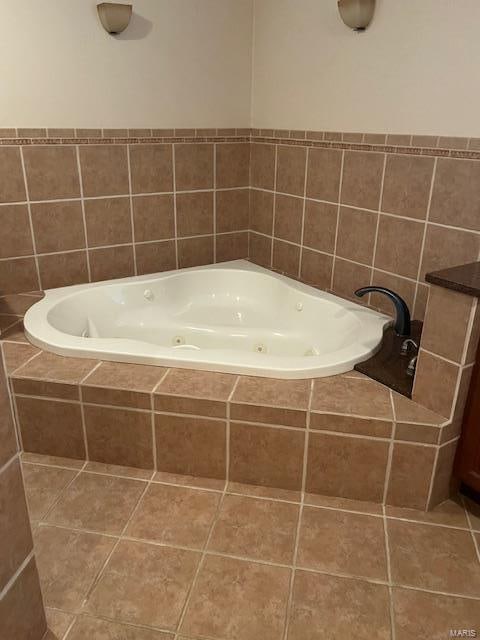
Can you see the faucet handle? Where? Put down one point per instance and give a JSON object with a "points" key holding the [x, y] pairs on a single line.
{"points": [[406, 344]]}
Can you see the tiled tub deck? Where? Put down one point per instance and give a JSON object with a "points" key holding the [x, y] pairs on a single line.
{"points": [[344, 437]]}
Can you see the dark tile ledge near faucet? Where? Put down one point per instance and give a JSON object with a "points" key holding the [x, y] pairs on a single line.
{"points": [[389, 366]]}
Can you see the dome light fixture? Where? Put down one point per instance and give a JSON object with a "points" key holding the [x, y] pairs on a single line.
{"points": [[356, 14]]}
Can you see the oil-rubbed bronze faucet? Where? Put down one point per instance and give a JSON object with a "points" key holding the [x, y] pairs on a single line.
{"points": [[402, 314]]}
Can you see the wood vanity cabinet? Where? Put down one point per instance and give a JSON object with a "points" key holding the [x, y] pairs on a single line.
{"points": [[467, 464]]}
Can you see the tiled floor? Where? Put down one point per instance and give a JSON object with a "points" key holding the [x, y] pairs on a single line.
{"points": [[126, 556]]}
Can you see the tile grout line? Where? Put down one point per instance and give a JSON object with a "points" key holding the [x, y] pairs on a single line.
{"points": [[337, 226], [275, 165], [253, 497], [228, 430], [82, 409], [30, 221], [304, 205], [476, 543], [11, 399], [98, 576], [152, 418], [130, 202], [84, 216], [214, 212], [388, 469], [300, 514], [377, 227], [174, 194], [62, 492], [424, 237], [389, 575], [201, 562]]}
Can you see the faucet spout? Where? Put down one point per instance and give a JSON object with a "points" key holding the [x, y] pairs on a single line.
{"points": [[402, 314]]}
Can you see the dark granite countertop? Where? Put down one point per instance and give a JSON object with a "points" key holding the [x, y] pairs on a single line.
{"points": [[464, 278]]}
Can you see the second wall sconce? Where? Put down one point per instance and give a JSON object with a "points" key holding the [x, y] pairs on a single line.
{"points": [[356, 14], [114, 16]]}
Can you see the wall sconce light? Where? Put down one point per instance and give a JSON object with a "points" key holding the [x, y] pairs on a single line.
{"points": [[356, 14], [114, 16]]}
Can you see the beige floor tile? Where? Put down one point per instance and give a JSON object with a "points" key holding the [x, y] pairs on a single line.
{"points": [[96, 629], [58, 622], [238, 600], [450, 513], [52, 461], [175, 515], [259, 529], [264, 492], [97, 503], [341, 542], [144, 584], [43, 486], [68, 562], [189, 481], [326, 607], [343, 504], [435, 558], [473, 513], [117, 470], [432, 616]]}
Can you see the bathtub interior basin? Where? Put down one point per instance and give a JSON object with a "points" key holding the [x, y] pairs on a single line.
{"points": [[232, 317]]}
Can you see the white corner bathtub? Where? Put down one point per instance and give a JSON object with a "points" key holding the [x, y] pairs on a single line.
{"points": [[233, 317]]}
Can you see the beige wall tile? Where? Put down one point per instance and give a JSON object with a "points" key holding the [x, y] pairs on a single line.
{"points": [[190, 446], [446, 327], [410, 475], [14, 524], [108, 221], [63, 269], [356, 235], [58, 226], [12, 184], [16, 232], [266, 456], [151, 167], [320, 226], [232, 210], [261, 212], [336, 462], [52, 172], [194, 213], [231, 246], [193, 166], [119, 436], [49, 427], [291, 170], [324, 174], [17, 620], [435, 383], [153, 217], [104, 170], [233, 165], [112, 262], [288, 218], [155, 256], [456, 193], [406, 186], [362, 177], [399, 246]]}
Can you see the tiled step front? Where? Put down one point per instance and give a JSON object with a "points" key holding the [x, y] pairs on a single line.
{"points": [[345, 436]]}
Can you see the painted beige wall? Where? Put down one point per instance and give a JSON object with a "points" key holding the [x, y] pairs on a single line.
{"points": [[182, 63], [416, 70]]}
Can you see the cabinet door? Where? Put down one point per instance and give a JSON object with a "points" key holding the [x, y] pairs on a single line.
{"points": [[467, 467]]}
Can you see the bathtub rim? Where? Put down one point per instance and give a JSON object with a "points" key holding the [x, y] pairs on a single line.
{"points": [[43, 335]]}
